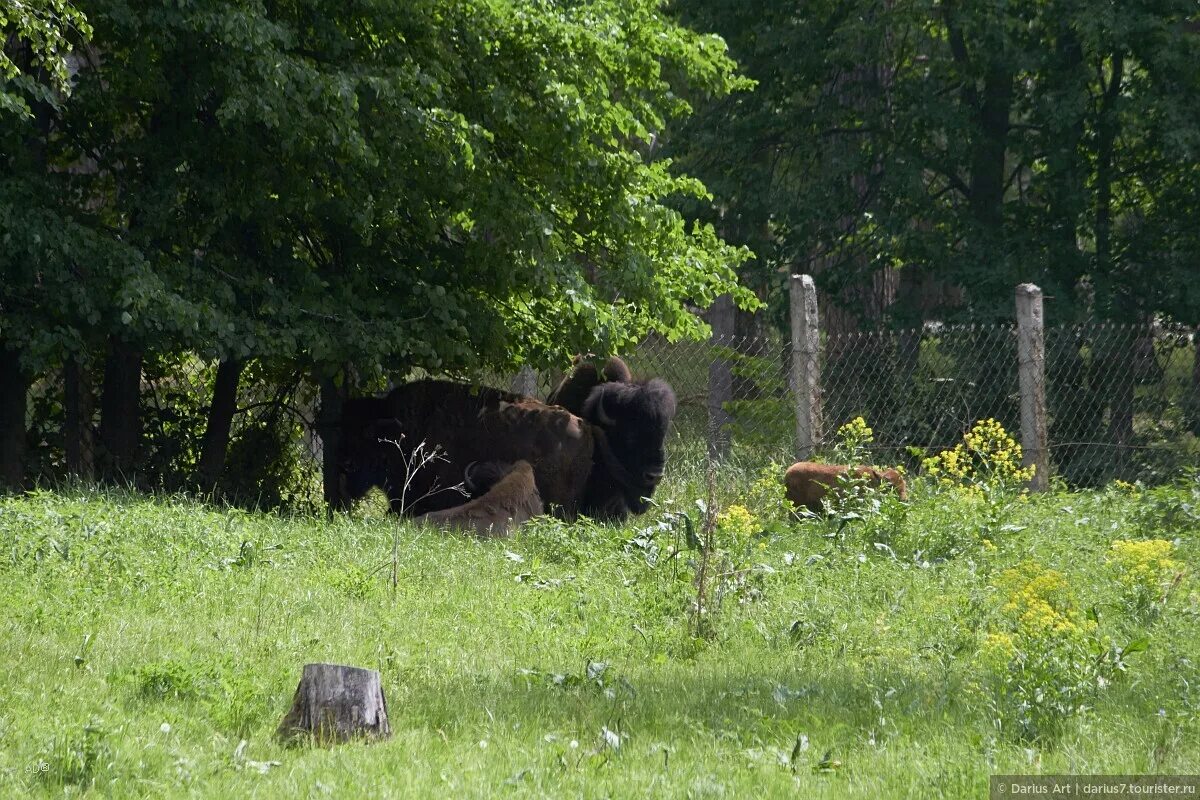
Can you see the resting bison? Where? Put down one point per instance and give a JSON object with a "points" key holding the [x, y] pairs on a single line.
{"points": [[630, 423], [630, 420], [807, 482], [602, 463], [572, 392], [510, 499], [390, 442]]}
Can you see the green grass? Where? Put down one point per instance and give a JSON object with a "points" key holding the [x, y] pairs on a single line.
{"points": [[143, 640]]}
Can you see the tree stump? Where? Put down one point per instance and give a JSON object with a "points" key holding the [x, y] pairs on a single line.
{"points": [[335, 703]]}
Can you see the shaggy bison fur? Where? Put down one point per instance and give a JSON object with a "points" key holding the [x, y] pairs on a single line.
{"points": [[807, 482], [385, 439], [573, 390], [630, 423]]}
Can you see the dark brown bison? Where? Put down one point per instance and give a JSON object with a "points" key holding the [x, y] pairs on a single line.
{"points": [[630, 422], [602, 463], [511, 498], [573, 390], [416, 442], [807, 482]]}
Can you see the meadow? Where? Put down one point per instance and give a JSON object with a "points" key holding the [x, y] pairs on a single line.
{"points": [[715, 647]]}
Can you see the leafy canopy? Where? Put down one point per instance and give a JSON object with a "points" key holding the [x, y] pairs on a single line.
{"points": [[968, 146], [434, 183]]}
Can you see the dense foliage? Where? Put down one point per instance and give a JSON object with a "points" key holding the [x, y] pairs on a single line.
{"points": [[37, 37], [375, 182], [440, 184], [968, 146]]}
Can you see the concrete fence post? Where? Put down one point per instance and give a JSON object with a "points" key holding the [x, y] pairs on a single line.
{"points": [[1031, 361], [806, 364], [720, 378]]}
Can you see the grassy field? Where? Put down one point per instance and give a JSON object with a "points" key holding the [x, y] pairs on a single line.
{"points": [[151, 646]]}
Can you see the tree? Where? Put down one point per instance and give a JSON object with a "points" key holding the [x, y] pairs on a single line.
{"points": [[977, 144], [437, 184], [37, 36]]}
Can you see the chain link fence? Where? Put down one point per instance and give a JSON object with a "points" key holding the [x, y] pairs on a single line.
{"points": [[1122, 402]]}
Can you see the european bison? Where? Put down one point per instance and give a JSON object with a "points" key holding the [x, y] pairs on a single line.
{"points": [[416, 443], [630, 423], [807, 482], [602, 462], [511, 499], [631, 420]]}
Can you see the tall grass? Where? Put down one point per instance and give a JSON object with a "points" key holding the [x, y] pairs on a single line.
{"points": [[151, 646]]}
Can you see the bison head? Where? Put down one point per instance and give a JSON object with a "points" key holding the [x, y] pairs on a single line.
{"points": [[632, 420]]}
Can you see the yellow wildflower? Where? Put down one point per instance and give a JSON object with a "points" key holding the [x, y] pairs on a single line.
{"points": [[1144, 564], [856, 431], [738, 520], [987, 453], [1040, 601]]}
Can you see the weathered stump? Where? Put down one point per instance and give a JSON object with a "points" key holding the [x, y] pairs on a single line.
{"points": [[334, 703]]}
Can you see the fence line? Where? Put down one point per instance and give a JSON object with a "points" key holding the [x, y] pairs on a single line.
{"points": [[1092, 402]]}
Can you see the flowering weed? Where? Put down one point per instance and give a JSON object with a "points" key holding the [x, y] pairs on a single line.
{"points": [[1043, 661], [1145, 571], [987, 459]]}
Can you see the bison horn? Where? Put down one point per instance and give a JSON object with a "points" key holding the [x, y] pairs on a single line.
{"points": [[602, 416]]}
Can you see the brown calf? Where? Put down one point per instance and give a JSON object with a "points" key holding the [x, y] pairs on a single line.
{"points": [[807, 482]]}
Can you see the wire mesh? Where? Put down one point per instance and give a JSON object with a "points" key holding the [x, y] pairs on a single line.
{"points": [[1123, 402]]}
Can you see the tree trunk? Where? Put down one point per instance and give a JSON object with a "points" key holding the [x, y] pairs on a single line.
{"points": [[77, 400], [991, 106], [220, 421], [14, 398], [1066, 166], [1108, 287], [334, 703], [988, 176], [120, 410], [329, 428], [1111, 295]]}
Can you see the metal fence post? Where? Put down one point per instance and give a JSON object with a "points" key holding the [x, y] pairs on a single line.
{"points": [[525, 382], [806, 365], [1031, 361]]}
